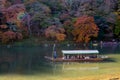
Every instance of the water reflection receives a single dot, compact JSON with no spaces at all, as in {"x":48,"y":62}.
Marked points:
{"x":60,"y":68}
{"x":30,"y":59}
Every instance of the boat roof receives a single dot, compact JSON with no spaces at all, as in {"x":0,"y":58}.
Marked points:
{"x":80,"y":51}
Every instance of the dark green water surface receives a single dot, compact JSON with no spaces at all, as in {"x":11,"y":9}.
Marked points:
{"x":30,"y":59}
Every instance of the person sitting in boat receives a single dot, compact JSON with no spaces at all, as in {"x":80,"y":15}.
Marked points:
{"x":68,"y":57}
{"x":55,"y":55}
{"x":87,"y":57}
{"x":72,"y":57}
{"x":78,"y":56}
{"x":93,"y":56}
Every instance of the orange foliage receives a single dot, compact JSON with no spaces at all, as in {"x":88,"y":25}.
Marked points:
{"x":9,"y":36}
{"x":55,"y":32}
{"x":50,"y":32}
{"x":60,"y":37}
{"x":84,"y":28}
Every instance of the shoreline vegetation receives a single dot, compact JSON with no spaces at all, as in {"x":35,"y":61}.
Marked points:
{"x":37,"y":42}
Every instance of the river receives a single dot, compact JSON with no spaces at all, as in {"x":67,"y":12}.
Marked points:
{"x":26,"y":59}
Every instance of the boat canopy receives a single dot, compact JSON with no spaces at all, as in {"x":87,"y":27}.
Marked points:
{"x":80,"y":52}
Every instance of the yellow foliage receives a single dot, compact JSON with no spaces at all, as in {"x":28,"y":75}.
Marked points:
{"x":18,"y":23}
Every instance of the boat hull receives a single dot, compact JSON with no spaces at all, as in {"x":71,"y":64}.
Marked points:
{"x":73,"y":60}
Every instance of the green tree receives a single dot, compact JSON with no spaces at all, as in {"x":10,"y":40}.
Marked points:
{"x":117,"y":28}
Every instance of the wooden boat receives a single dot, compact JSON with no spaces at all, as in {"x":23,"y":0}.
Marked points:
{"x":78,"y":56}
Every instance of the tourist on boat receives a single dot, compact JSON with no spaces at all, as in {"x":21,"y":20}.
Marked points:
{"x":78,"y":56}
{"x":87,"y":57}
{"x":93,"y":56}
{"x":67,"y":57}
{"x":73,"y":57}
{"x":83,"y":57}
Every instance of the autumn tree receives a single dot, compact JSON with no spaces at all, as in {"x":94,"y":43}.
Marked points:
{"x":84,"y":29}
{"x":7,"y":35}
{"x":60,"y":37}
{"x":55,"y":33}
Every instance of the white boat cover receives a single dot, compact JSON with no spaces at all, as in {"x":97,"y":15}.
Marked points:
{"x":80,"y":51}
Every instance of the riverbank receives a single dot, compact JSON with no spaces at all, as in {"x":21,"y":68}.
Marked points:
{"x":115,"y":76}
{"x":35,"y":41}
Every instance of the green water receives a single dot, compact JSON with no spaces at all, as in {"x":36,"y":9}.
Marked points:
{"x":30,"y":59}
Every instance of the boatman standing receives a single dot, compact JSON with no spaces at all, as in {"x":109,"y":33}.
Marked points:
{"x":55,"y":55}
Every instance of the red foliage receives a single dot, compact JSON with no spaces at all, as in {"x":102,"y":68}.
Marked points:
{"x":83,"y":20}
{"x":13,"y":11}
{"x":9,"y":34}
{"x":3,"y":26}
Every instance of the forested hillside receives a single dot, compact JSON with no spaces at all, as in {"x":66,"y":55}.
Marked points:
{"x":73,"y":20}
